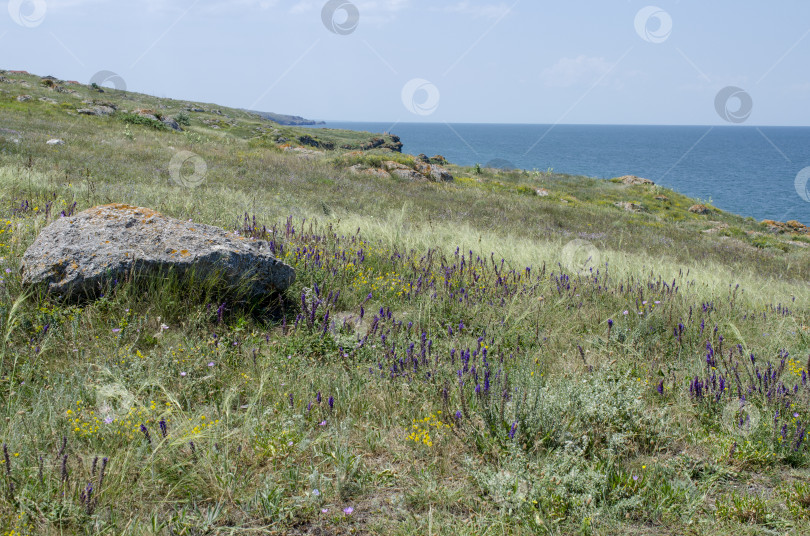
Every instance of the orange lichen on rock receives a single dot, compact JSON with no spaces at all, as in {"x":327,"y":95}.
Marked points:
{"x":124,"y":210}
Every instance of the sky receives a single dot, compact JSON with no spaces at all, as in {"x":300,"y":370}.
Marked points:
{"x":527,"y":61}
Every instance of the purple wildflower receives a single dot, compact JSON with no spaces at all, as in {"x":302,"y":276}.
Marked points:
{"x":145,"y":431}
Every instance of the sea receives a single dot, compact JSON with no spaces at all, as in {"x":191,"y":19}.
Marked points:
{"x":761,"y":172}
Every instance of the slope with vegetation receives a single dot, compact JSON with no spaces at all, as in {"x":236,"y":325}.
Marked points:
{"x":510,"y":352}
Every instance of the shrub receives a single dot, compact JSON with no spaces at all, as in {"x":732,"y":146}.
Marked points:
{"x":136,"y":119}
{"x":183,"y":119}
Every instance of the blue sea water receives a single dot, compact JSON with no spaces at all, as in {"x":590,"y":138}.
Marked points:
{"x":751,"y":171}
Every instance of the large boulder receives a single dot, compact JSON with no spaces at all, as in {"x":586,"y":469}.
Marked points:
{"x":172,"y":124}
{"x":433,"y":172}
{"x":76,"y":257}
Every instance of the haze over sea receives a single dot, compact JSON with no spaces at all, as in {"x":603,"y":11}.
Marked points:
{"x":750,"y":171}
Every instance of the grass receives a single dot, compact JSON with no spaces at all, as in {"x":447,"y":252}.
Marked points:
{"x":448,"y":362}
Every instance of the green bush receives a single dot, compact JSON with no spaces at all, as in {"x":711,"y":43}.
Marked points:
{"x":136,"y":119}
{"x":765,"y":242}
{"x":183,"y":119}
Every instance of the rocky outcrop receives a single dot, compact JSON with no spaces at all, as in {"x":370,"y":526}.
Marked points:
{"x":402,"y":171}
{"x":377,"y":143}
{"x":629,"y":206}
{"x":390,"y":165}
{"x":172,"y":124}
{"x":422,"y":171}
{"x":633,"y":180}
{"x":700,"y":209}
{"x":792,"y":227}
{"x":78,"y":256}
{"x":434,"y":172}
{"x":395,"y":144}
{"x":96,"y":110}
{"x":312,"y":141}
{"x":408,"y":174}
{"x":148,"y":114}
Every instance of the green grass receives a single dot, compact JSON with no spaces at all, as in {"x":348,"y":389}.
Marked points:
{"x":568,"y":433}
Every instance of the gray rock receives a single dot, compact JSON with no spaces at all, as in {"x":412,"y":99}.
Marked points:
{"x":433,"y":171}
{"x":97,"y":110}
{"x":172,"y":124}
{"x":438,"y":173}
{"x":55,"y":141}
{"x":390,"y":165}
{"x":629,"y":206}
{"x":408,"y":174}
{"x":24,"y":98}
{"x":633,"y":180}
{"x":76,"y":257}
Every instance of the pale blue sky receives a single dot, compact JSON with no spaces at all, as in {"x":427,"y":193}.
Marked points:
{"x":482,"y":61}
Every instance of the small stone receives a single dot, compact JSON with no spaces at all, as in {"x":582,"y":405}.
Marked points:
{"x":629,"y":206}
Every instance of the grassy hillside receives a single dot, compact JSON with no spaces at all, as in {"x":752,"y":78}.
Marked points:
{"x":510,"y":352}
